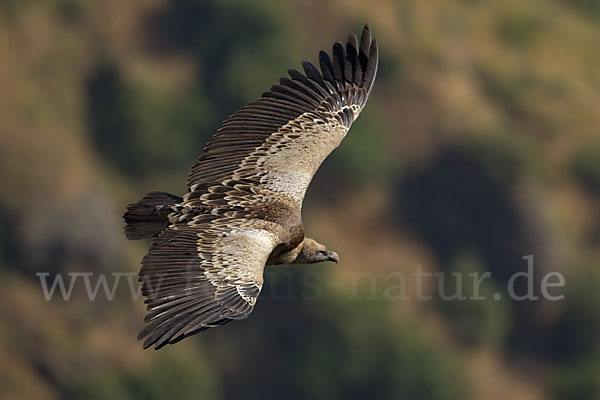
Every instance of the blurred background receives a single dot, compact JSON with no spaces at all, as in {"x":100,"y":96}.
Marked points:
{"x":480,"y":145}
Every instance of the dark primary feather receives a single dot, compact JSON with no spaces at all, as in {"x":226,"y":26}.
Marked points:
{"x":339,"y":61}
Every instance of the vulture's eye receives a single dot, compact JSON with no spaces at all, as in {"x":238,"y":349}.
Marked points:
{"x":322,"y":252}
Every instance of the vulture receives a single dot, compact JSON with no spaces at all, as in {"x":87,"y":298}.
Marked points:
{"x":242,"y":210}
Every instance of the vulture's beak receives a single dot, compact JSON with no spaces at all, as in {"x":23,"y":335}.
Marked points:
{"x":332,"y":256}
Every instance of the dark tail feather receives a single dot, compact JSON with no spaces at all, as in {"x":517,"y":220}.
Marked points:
{"x":149,"y":216}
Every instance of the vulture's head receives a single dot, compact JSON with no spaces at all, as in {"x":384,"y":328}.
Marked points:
{"x":314,"y":252}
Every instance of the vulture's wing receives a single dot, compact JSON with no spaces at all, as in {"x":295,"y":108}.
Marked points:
{"x":279,"y":141}
{"x":202,"y":274}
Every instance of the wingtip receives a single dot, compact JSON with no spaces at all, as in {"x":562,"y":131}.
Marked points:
{"x":159,"y":346}
{"x":146,"y":343}
{"x":366,"y":32}
{"x":374,"y":47}
{"x":352,"y":39}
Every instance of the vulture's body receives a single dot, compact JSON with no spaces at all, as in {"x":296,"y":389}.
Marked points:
{"x":244,"y":200}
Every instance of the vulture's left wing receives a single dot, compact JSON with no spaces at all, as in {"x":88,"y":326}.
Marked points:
{"x":279,"y":141}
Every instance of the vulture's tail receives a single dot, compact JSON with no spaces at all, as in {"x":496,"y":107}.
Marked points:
{"x":149,"y":216}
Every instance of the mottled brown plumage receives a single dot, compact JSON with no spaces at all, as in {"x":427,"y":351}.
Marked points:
{"x":244,"y":200}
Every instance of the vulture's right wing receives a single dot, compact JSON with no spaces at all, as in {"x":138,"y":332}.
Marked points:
{"x":202,"y":274}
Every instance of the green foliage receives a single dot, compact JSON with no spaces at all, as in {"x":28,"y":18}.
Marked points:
{"x":140,"y":128}
{"x":176,"y":378}
{"x":474,"y":322}
{"x":464,"y":199}
{"x":518,"y":30}
{"x":505,"y":156}
{"x":390,"y":363}
{"x":518,"y":92}
{"x":580,"y":381}
{"x":102,"y":384}
{"x":587,"y":7}
{"x":585,"y":166}
{"x":239,"y":47}
{"x":168,"y":378}
{"x":575,"y":335}
{"x":363,"y":155}
{"x":509,"y":90}
{"x":14,"y":7}
{"x":72,"y":11}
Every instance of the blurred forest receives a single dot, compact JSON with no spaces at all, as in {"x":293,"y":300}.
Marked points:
{"x":480,"y":145}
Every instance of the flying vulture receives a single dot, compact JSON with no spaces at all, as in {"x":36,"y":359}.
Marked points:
{"x":243,"y":207}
